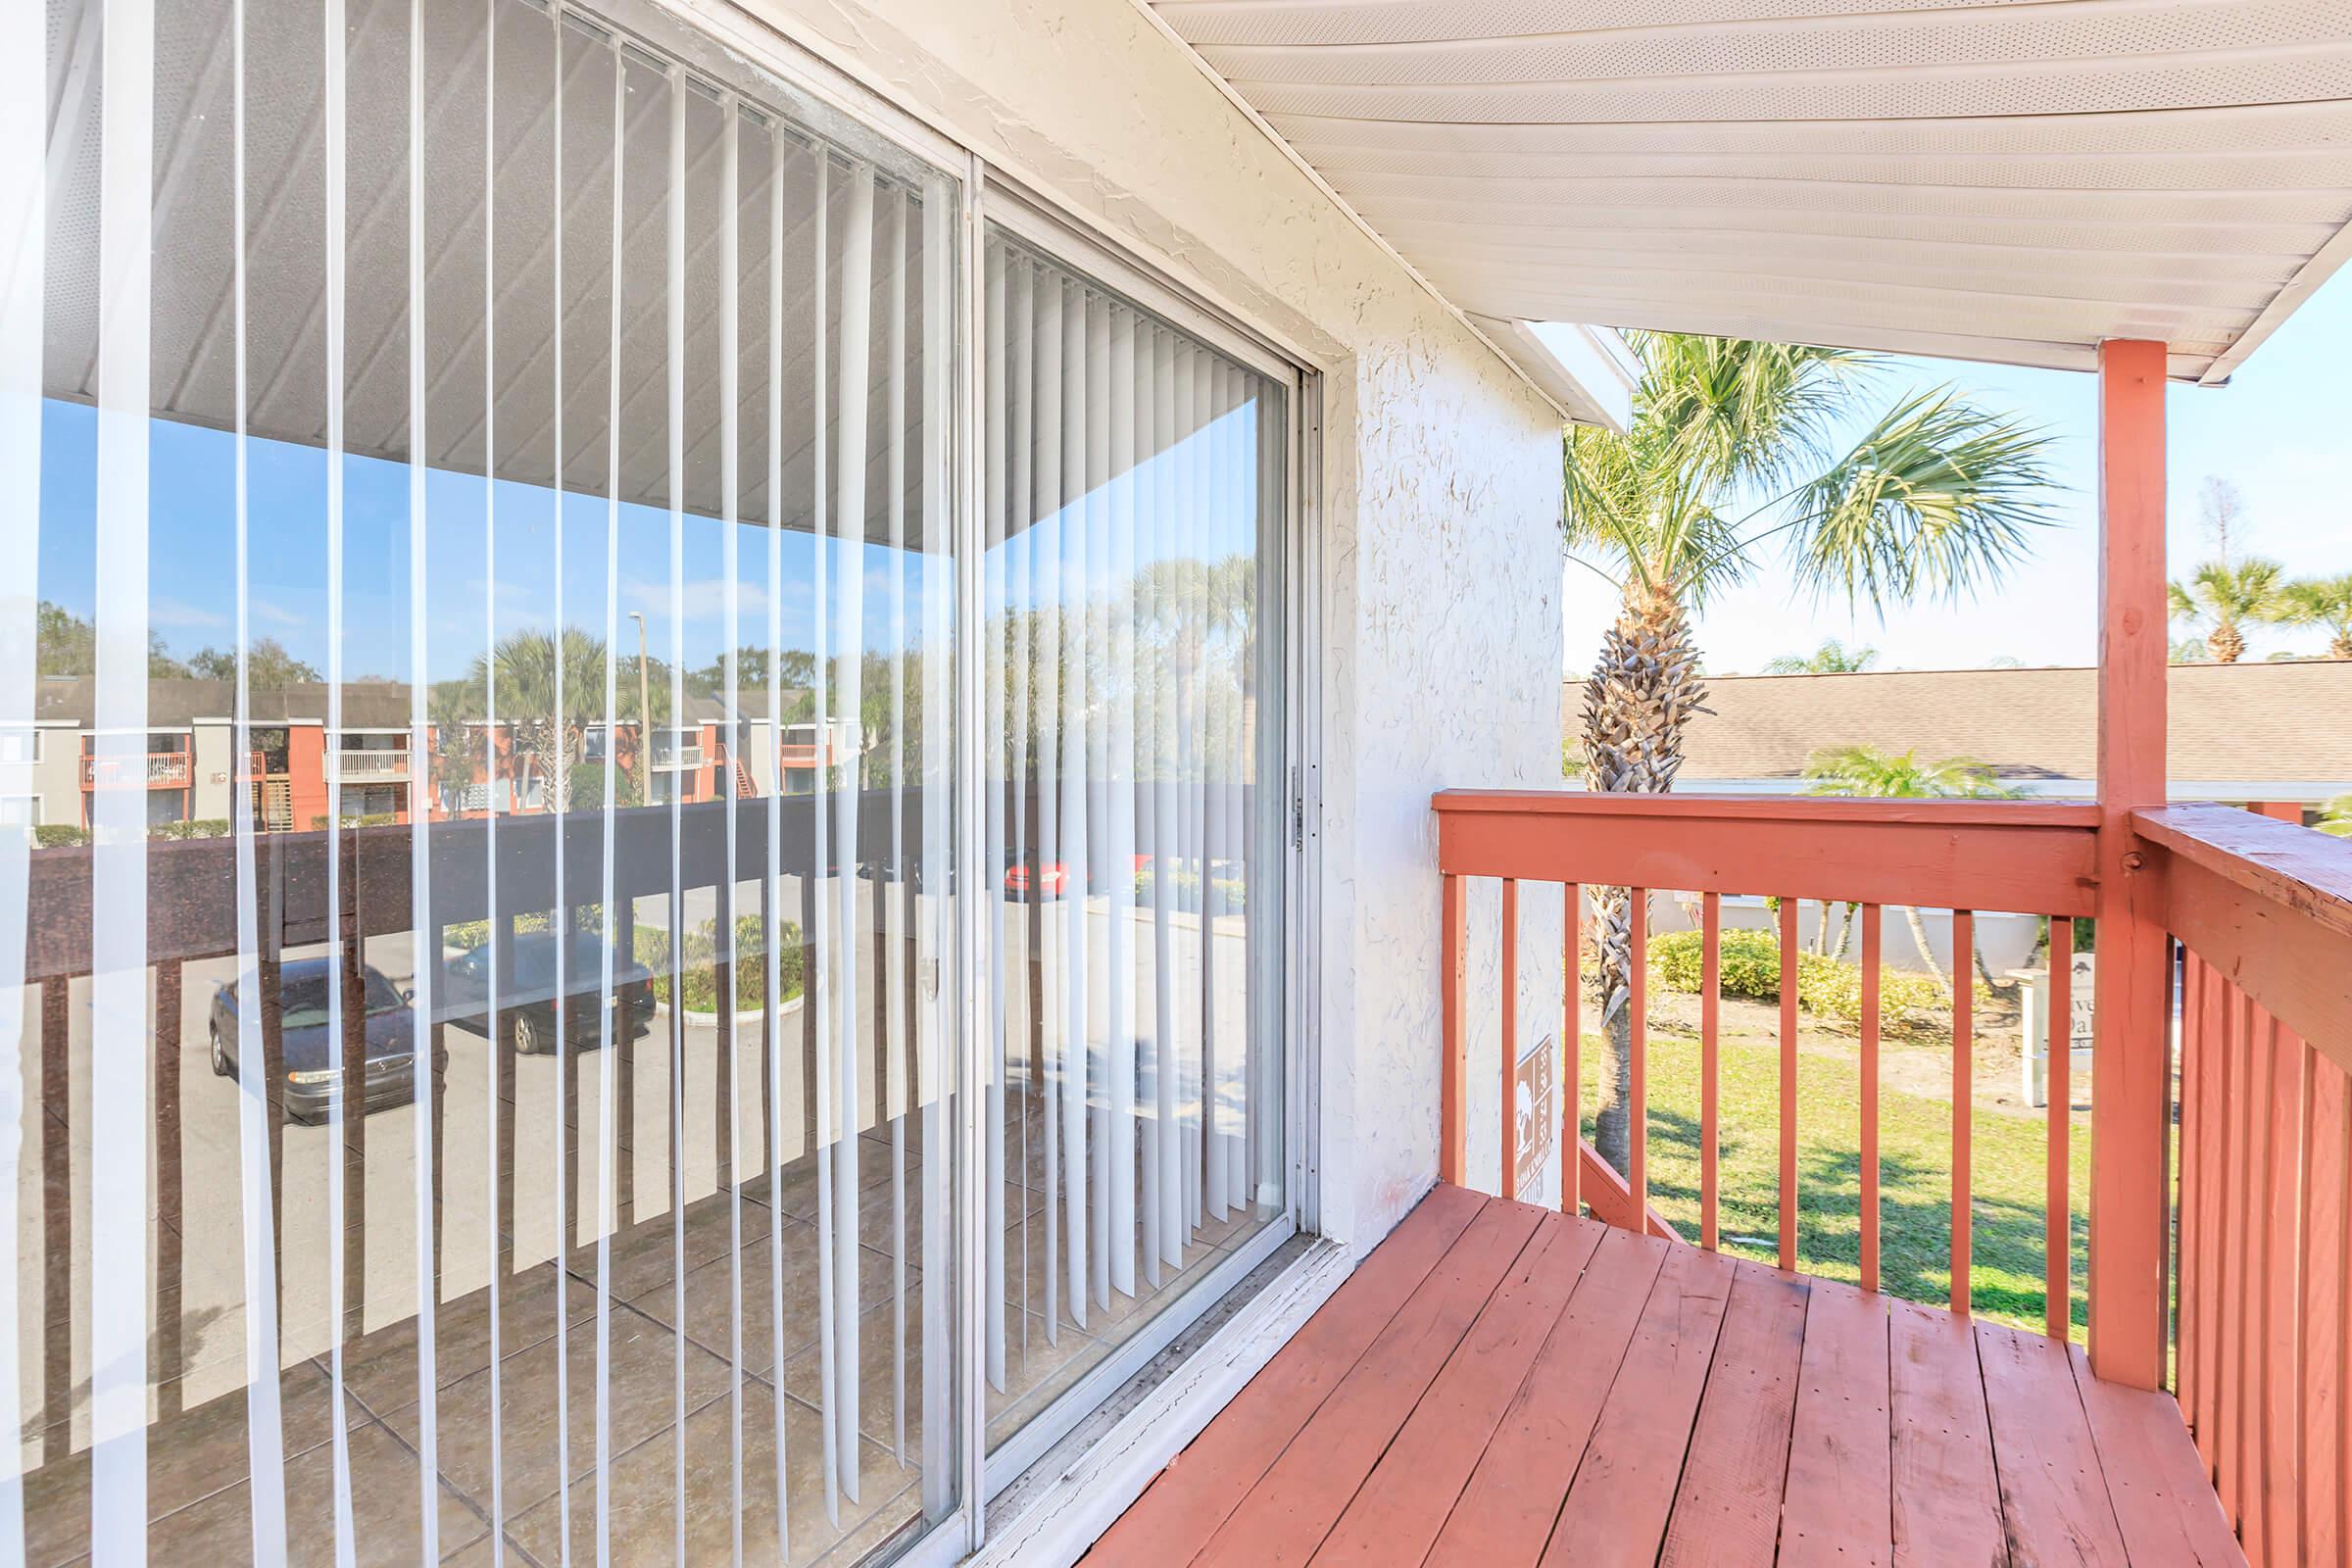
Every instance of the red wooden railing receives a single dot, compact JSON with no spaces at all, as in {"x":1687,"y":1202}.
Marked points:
{"x":2006,"y":856}
{"x":2261,"y":915}
{"x":2263,"y":912}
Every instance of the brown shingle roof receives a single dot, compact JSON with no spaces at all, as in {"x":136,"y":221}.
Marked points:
{"x":2283,"y":721}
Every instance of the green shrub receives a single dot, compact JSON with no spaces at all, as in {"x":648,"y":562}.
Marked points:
{"x":357,"y":819}
{"x":699,"y":962}
{"x":201,"y":827}
{"x":59,"y":836}
{"x":1184,"y":892}
{"x":1750,"y":967}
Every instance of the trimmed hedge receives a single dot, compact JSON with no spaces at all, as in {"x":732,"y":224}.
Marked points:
{"x":1750,"y":967}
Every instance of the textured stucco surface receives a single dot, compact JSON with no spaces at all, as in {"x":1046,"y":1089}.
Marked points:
{"x":1439,"y":494}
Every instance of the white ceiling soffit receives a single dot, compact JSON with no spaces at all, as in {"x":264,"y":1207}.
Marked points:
{"x":2010,"y":181}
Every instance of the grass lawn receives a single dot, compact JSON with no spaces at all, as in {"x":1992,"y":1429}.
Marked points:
{"x":2009,"y":1152}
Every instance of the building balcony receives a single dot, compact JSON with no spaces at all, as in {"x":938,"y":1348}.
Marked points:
{"x":159,"y":770}
{"x":1504,"y":1383}
{"x":368,"y":766}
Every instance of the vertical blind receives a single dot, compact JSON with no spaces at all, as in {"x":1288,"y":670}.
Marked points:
{"x":478,"y":753}
{"x":476,"y":648}
{"x":1132,"y":527}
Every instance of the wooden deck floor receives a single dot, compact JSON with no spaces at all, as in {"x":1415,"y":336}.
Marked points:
{"x":1501,"y":1385}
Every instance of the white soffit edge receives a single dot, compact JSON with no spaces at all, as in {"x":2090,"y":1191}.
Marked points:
{"x":2009,"y":180}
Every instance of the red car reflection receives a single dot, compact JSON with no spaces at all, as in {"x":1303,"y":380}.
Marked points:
{"x":1029,"y":879}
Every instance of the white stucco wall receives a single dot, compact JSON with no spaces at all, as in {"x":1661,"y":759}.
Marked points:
{"x":1441,"y":491}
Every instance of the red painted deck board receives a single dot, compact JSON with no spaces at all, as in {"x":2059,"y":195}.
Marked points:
{"x":1402,"y":1505}
{"x":1623,"y":1495}
{"x":1947,"y":1504}
{"x":1185,"y":1505}
{"x":1288,"y":1513}
{"x":1582,"y":1394}
{"x":1726,"y":1509}
{"x":1506,"y":1513}
{"x":1840,"y":1505}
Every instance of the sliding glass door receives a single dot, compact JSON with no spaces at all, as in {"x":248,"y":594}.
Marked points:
{"x":491,"y":560}
{"x":1133,"y":538}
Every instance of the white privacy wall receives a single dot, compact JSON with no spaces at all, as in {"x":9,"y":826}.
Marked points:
{"x":1441,"y":494}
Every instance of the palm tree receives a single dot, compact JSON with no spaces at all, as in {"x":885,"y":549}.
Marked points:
{"x":527,"y":667}
{"x":2225,"y":597}
{"x":1866,"y":770}
{"x":1736,"y":447}
{"x":1832,"y":657}
{"x":2322,"y":602}
{"x":2336,"y":817}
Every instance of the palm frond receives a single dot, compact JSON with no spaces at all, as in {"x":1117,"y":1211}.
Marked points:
{"x":1937,"y":499}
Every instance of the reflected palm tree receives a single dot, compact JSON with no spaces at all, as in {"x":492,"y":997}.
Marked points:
{"x":530,"y":666}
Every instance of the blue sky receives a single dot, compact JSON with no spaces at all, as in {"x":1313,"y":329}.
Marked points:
{"x":192,"y":601}
{"x":2278,"y":433}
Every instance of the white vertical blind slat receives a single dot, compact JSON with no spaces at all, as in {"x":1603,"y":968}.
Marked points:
{"x":817,"y":878}
{"x":1118,"y":739}
{"x":265,"y":1447}
{"x":995,"y":676}
{"x":559,"y":1130}
{"x":1021,"y":515}
{"x":120,"y":1147}
{"x":673,"y":281}
{"x":609,"y":924}
{"x":24,"y":207}
{"x":939,"y":573}
{"x":857,"y":371}
{"x":730,"y":448}
{"x":494,"y":1168}
{"x":1046,"y":591}
{"x":426,"y":1192}
{"x":772,"y":993}
{"x":890,"y":889}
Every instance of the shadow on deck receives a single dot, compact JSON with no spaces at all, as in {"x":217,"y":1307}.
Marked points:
{"x":1499,"y":1384}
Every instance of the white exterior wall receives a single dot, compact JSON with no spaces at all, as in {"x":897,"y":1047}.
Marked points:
{"x":1439,"y":499}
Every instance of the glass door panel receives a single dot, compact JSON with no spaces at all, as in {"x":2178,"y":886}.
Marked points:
{"x":1134,"y":529}
{"x":478,"y":1044}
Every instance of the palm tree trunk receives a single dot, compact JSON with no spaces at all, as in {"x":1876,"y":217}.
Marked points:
{"x":1919,"y":936}
{"x":1642,"y":692}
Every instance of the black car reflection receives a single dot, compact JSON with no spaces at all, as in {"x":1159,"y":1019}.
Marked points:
{"x":314,"y":1058}
{"x":527,"y":991}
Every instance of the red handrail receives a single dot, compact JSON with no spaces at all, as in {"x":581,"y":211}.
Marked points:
{"x":2264,"y":913}
{"x":1962,"y":856}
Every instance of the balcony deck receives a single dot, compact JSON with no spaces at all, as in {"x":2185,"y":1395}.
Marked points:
{"x":1499,"y":1384}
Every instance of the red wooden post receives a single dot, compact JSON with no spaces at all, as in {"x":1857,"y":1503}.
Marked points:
{"x":1510,"y":1038}
{"x":1873,"y":937}
{"x":1636,"y":1114}
{"x":1710,"y":984}
{"x":2132,"y":1046}
{"x":1788,"y":1079}
{"x":2058,"y":1062}
{"x":1964,"y":1069}
{"x":1452,"y":1081}
{"x":1572,"y":1103}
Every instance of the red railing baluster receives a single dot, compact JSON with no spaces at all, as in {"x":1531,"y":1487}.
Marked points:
{"x":1452,"y":1083}
{"x":1511,"y":1037}
{"x":1873,"y":939}
{"x":1710,"y":983}
{"x":1788,"y":1080}
{"x":2058,"y":1042}
{"x":1964,"y":1067}
{"x":2186,"y":1316}
{"x":1572,"y":1105}
{"x":1637,"y":1114}
{"x":2213,"y":1144}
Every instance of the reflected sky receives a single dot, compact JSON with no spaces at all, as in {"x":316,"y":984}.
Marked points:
{"x":192,"y":543}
